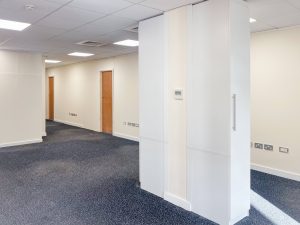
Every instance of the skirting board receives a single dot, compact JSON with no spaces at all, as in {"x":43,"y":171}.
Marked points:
{"x":25,"y":142}
{"x":177,"y":201}
{"x":69,"y":123}
{"x":125,"y":136}
{"x":276,"y":172}
{"x":239,"y":218}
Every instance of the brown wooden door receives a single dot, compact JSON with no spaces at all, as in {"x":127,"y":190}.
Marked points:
{"x":51,"y":98}
{"x":107,"y":102}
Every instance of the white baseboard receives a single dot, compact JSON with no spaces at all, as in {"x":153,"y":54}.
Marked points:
{"x":276,"y":172}
{"x":24,"y":142}
{"x":239,"y":218}
{"x":44,"y":134}
{"x":177,"y":201}
{"x":69,"y":123}
{"x":125,"y":136}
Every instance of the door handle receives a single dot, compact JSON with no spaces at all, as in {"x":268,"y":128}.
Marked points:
{"x":234,"y":112}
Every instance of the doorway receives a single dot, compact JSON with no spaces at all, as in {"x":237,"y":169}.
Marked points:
{"x":51,"y":98}
{"x":107,"y":121}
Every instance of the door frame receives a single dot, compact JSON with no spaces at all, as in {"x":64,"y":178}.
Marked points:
{"x":48,"y":97}
{"x":112,"y":100}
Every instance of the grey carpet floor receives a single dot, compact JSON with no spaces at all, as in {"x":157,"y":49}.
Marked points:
{"x":80,"y":177}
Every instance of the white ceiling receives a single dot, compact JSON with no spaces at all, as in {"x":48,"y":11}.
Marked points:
{"x":57,"y":25}
{"x":274,"y":14}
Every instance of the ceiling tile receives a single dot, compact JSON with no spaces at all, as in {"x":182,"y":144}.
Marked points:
{"x":295,"y":3}
{"x":165,"y":5}
{"x":138,"y":12}
{"x":102,"y":6}
{"x":15,"y":10}
{"x":70,"y":18}
{"x":258,"y":26}
{"x":61,"y":2}
{"x":135,"y":1}
{"x":39,"y":32}
{"x":4,"y":37}
{"x":284,"y":21}
{"x":261,"y":9}
{"x":118,"y":36}
{"x":100,"y":27}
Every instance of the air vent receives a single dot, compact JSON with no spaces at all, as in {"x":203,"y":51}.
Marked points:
{"x":90,"y":43}
{"x":134,"y":29}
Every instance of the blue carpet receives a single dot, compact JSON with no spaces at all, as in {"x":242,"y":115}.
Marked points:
{"x":80,"y":177}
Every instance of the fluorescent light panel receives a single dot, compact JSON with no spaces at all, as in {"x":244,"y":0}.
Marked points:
{"x":129,"y":43}
{"x":252,"y":20}
{"x":52,"y":61}
{"x":13,"y":25}
{"x":80,"y":54}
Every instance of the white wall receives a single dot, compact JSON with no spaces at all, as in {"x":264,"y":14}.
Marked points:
{"x":176,"y":75}
{"x":219,"y":156}
{"x":77,"y":90}
{"x":206,"y":165}
{"x":275,"y":69}
{"x":21,"y":96}
{"x":151,"y":108}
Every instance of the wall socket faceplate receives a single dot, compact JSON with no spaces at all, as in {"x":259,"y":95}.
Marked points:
{"x":284,"y":150}
{"x":130,"y":124}
{"x":268,"y":147}
{"x":178,"y":93}
{"x":259,"y":145}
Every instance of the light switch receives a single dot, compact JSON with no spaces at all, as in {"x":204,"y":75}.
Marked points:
{"x":178,"y":94}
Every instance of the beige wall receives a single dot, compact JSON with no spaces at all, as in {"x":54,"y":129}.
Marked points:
{"x":21,"y":96}
{"x":77,"y":90}
{"x":176,"y":66}
{"x":275,"y":71}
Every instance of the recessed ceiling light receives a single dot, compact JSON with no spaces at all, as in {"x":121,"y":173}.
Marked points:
{"x":52,"y":61}
{"x":13,"y":25}
{"x":130,"y":43}
{"x":252,"y":20}
{"x":80,"y":54}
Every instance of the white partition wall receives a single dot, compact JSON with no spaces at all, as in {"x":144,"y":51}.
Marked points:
{"x":22,"y":117}
{"x":175,"y":115}
{"x":218,"y":111}
{"x":151,"y":104}
{"x":195,"y":150}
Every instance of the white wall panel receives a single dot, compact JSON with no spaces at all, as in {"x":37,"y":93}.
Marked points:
{"x":22,"y":110}
{"x":240,"y":86}
{"x":209,"y":178}
{"x":152,"y":166}
{"x":219,"y":171}
{"x":209,"y":79}
{"x":151,"y":104}
{"x":175,"y":119}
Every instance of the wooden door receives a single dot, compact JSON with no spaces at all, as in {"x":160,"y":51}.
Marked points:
{"x":51,"y":98}
{"x":107,"y":102}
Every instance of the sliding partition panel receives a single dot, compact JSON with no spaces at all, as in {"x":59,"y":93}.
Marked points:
{"x":151,"y":90}
{"x":194,"y":150}
{"x":240,"y":92}
{"x":218,"y":138}
{"x":208,"y":112}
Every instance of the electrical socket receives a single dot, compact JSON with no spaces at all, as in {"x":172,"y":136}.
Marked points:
{"x":283,"y":150}
{"x":259,"y":145}
{"x":268,"y":147}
